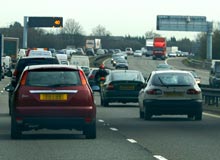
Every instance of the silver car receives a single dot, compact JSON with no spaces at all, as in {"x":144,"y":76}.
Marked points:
{"x":170,"y":92}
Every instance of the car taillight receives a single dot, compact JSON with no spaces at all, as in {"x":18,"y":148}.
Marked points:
{"x":193,"y":91}
{"x":110,"y":87}
{"x":23,"y":78}
{"x":154,"y":92}
{"x":82,"y":77}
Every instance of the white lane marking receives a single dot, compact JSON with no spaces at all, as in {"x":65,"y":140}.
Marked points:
{"x":114,"y":129}
{"x":160,"y":157}
{"x":211,"y":115}
{"x":132,"y":140}
{"x":100,"y":120}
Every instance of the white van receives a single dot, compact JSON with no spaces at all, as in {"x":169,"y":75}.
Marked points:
{"x":80,"y":61}
{"x":62,"y":58}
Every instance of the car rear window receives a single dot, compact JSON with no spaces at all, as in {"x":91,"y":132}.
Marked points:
{"x":53,"y":78}
{"x":173,"y":79}
{"x":117,"y":76}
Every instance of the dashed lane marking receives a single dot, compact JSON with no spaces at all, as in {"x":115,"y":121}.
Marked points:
{"x":132,"y":140}
{"x":114,"y":129}
{"x":159,"y":157}
{"x":211,"y":115}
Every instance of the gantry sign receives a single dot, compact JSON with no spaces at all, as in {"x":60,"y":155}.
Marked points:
{"x":187,"y":23}
{"x":40,"y":22}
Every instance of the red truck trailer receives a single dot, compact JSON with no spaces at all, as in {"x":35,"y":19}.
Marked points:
{"x":159,"y":48}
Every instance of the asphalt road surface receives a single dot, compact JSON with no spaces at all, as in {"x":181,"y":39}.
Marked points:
{"x":121,"y":134}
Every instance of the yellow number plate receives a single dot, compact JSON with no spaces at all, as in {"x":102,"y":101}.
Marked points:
{"x":59,"y":97}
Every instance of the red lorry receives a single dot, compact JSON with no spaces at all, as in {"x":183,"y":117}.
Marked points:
{"x":159,"y":48}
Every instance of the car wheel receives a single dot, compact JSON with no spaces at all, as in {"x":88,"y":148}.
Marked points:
{"x":105,"y":103}
{"x":141,"y":114}
{"x":16,"y":131}
{"x":198,"y":116}
{"x":147,"y":115}
{"x":102,"y":101}
{"x":190,"y":116}
{"x":90,"y":131}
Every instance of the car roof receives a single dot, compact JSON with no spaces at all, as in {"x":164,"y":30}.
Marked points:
{"x":52,"y":66}
{"x":169,"y":71}
{"x":36,"y":57}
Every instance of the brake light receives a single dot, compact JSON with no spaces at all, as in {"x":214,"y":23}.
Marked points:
{"x":193,"y":91}
{"x":82,"y":77}
{"x":24,"y":77}
{"x":154,"y":92}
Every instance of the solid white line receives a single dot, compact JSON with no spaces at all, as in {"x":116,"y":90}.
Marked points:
{"x":114,"y":129}
{"x":100,"y":120}
{"x":211,"y":115}
{"x":160,"y":157}
{"x":132,"y":140}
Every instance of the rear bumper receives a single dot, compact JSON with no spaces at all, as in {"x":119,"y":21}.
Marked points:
{"x":28,"y":123}
{"x":173,"y":107}
{"x":124,"y":97}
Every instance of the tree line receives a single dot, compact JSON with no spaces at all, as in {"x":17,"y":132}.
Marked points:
{"x":72,"y":34}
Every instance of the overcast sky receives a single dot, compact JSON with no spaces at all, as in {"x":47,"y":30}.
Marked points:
{"x":120,"y":17}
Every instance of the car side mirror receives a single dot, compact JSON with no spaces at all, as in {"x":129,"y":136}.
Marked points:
{"x":9,"y":73}
{"x":9,"y":88}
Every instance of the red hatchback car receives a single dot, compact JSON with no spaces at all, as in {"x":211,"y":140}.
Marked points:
{"x":53,"y":97}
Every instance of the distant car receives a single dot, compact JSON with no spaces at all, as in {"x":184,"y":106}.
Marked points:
{"x":117,"y":50}
{"x":172,"y":54}
{"x":129,"y":51}
{"x":117,"y":59}
{"x":197,"y":78}
{"x":138,"y":53}
{"x":79,"y":51}
{"x":121,"y":63}
{"x":90,"y":52}
{"x":53,"y":97}
{"x":38,"y":53}
{"x":170,"y":92}
{"x":122,"y":86}
{"x":164,"y":66}
{"x":21,"y":64}
{"x":100,"y":52}
{"x":85,"y":69}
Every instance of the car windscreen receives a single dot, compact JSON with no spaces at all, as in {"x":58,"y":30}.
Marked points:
{"x":53,"y":78}
{"x":172,"y":79}
{"x":130,"y":76}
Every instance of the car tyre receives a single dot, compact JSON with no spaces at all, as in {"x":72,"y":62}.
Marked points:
{"x":190,"y":116}
{"x":16,"y":131}
{"x":105,"y":103}
{"x":198,"y":116}
{"x":141,"y":114}
{"x":90,"y":131}
{"x":147,"y":115}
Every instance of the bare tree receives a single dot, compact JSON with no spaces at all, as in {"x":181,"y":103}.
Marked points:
{"x":151,"y":34}
{"x":100,"y":31}
{"x":72,"y":27}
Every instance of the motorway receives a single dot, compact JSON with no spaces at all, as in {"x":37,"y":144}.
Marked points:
{"x":121,"y":134}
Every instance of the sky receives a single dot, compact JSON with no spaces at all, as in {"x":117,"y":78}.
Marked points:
{"x":119,"y":17}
